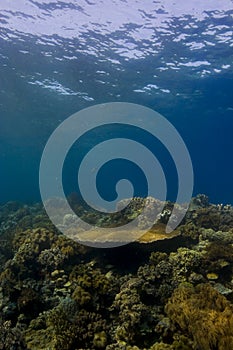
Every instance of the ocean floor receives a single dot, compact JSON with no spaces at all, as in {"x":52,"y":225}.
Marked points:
{"x":159,"y":292}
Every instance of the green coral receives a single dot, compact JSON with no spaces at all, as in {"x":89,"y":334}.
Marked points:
{"x":184,"y":262}
{"x":181,"y":343}
{"x":65,"y":327}
{"x":10,"y":336}
{"x":100,"y":340}
{"x":161,"y":346}
{"x":218,"y":259}
{"x":81,"y":296}
{"x":156,"y":257}
{"x":90,"y":286}
{"x":55,"y":332}
{"x":135,"y":320}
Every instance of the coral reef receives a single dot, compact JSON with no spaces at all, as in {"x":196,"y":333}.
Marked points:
{"x":174,"y":293}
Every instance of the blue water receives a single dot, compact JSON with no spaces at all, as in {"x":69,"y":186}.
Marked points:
{"x":58,"y":57}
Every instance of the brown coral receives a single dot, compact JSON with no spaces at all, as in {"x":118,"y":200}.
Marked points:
{"x":203,"y":315}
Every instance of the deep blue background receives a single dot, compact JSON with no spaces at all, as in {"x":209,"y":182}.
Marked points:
{"x":40,"y":90}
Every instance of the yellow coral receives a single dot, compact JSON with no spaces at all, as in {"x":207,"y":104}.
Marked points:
{"x":204,"y":315}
